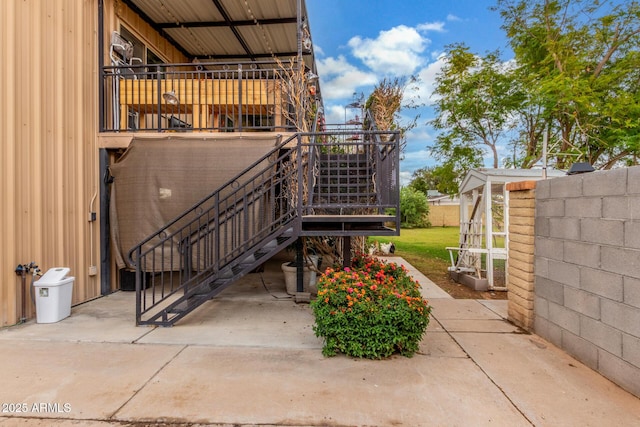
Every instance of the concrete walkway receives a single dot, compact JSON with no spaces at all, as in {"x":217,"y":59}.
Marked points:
{"x":249,"y":357}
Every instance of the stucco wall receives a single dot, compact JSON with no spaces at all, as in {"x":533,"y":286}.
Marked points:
{"x":587,"y":270}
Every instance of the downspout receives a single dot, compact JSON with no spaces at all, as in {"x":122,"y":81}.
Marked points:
{"x":299,"y":245}
{"x":103,"y":156}
{"x":101,"y":64}
{"x":300,"y":65}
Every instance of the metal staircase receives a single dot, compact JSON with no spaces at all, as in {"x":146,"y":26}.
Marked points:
{"x":297,"y":189}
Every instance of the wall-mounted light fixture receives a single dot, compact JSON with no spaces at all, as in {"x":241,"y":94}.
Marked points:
{"x":170,"y":98}
{"x":306,"y":43}
{"x":311,"y":77}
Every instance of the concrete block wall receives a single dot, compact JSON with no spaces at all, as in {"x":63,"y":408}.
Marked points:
{"x":520,"y":273}
{"x":587,"y":270}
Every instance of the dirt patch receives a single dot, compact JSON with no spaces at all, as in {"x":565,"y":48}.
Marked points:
{"x":457,"y":290}
{"x":436,"y":270}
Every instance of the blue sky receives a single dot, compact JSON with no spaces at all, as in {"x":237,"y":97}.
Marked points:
{"x":358,"y":42}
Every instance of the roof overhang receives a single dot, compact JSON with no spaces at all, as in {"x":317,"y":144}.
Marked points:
{"x":231,"y":30}
{"x":477,"y":178}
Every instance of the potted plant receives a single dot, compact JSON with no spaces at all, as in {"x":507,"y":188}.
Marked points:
{"x":309,"y":260}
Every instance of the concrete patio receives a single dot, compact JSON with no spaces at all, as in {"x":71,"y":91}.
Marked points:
{"x":250,"y":357}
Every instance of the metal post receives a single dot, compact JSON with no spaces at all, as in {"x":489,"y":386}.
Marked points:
{"x":159,"y":96}
{"x":346,"y":251}
{"x":239,"y":98}
{"x":101,"y":94}
{"x":299,"y":266}
{"x":545,"y":141}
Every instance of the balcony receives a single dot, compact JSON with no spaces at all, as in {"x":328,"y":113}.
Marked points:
{"x":214,"y":97}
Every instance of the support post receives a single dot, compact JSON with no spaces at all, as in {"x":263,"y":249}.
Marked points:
{"x":299,"y":266}
{"x":346,"y":251}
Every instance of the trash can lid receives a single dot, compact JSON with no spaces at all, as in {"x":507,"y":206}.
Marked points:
{"x":54,"y":275}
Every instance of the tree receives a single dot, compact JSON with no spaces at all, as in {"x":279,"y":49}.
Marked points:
{"x":575,"y":76}
{"x":423,"y":180}
{"x":388,"y":99}
{"x":580,"y":64}
{"x":474,"y":100}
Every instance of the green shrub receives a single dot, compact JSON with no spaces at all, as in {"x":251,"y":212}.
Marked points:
{"x":371,"y":310}
{"x":414,"y":208}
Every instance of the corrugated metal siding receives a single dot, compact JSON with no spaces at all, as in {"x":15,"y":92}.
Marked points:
{"x":49,"y":178}
{"x":48,"y":168}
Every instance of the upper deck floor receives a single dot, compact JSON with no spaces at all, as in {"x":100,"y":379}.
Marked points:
{"x":218,"y":66}
{"x":212,"y":97}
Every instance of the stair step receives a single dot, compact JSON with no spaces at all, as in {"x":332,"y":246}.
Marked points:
{"x":186,"y":306}
{"x":343,"y":188}
{"x":358,"y":170}
{"x":345,"y":182}
{"x":343,"y":200}
{"x":195,"y":294}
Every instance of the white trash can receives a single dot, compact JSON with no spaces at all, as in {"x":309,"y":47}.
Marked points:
{"x":53,"y":295}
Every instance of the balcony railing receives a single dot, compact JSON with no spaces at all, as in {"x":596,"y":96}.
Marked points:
{"x":199,"y":97}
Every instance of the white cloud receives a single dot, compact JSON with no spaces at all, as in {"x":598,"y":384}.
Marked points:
{"x":453,"y":18}
{"x":437,"y":26}
{"x":415,"y":160}
{"x":397,"y":51}
{"x":405,"y":178}
{"x":334,"y":114}
{"x":427,"y":77}
{"x":339,"y":79}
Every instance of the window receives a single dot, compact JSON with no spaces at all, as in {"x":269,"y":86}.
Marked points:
{"x":140,"y":50}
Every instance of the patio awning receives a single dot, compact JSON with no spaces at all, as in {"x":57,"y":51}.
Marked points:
{"x":230,"y":30}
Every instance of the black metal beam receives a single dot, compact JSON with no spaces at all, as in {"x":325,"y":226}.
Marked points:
{"x":253,"y":56}
{"x":216,"y":24}
{"x":233,"y":29}
{"x":101,"y":95}
{"x":157,"y":27}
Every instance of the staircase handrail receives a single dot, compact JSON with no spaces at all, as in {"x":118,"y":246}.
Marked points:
{"x":233,"y":181}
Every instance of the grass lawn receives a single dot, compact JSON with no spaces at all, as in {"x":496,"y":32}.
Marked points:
{"x":424,"y":242}
{"x":424,"y":248}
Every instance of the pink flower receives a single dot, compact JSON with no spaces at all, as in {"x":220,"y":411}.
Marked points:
{"x":350,"y":290}
{"x":374,"y":287}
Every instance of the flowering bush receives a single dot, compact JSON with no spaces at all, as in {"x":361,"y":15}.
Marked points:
{"x":370,"y":310}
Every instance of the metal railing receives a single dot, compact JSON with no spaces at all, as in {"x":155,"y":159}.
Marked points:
{"x":259,"y":212}
{"x":209,"y":240}
{"x":352,"y":172}
{"x":201,"y":97}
